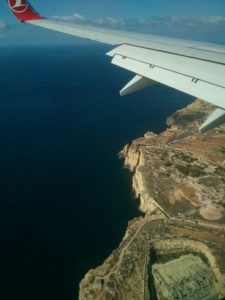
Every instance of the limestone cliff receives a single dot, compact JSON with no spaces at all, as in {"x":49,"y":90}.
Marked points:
{"x":177,"y":250}
{"x":180,"y":171}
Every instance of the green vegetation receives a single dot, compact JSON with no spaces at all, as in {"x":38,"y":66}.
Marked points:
{"x":222,"y":150}
{"x":193,"y":171}
{"x":220,"y":171}
{"x":186,"y":158}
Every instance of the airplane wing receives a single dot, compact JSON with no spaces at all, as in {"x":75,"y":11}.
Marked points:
{"x":195,"y":68}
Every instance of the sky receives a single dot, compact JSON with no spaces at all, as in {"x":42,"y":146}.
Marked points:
{"x":202,"y":20}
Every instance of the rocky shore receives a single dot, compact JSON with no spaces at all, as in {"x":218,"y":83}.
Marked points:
{"x":177,"y":249}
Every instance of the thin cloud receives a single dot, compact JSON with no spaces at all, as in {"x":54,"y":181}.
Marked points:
{"x":182,"y":22}
{"x":109,"y":21}
{"x":74,"y":18}
{"x":3,"y":25}
{"x":197,"y":21}
{"x":77,"y":18}
{"x":80,"y":19}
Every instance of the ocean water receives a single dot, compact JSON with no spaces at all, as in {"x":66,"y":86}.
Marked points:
{"x":65,"y":198}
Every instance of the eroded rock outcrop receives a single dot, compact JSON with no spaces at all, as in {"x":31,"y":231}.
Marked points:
{"x":180,"y":170}
{"x":177,"y":250}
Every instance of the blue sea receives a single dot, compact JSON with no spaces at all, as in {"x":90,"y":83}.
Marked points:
{"x":65,"y":199}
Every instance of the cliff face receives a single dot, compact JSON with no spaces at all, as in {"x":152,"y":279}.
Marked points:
{"x":177,"y":250}
{"x":180,"y":171}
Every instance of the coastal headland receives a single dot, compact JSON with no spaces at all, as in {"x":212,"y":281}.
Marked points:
{"x":176,"y":250}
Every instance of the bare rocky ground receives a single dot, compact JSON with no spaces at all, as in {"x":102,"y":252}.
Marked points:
{"x":177,"y":250}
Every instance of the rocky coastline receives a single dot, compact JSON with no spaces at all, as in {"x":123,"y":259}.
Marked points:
{"x":177,"y":249}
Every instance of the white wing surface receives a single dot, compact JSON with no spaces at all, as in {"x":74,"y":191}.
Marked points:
{"x":192,"y":67}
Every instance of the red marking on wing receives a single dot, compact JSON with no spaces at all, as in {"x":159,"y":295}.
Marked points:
{"x":23,"y":10}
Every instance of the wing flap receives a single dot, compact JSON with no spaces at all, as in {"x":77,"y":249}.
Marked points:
{"x":202,"y":70}
{"x":201,"y":89}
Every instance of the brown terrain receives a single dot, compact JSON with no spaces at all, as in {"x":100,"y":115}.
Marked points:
{"x":177,"y":249}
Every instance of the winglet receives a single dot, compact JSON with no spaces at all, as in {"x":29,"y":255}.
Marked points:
{"x":23,"y":10}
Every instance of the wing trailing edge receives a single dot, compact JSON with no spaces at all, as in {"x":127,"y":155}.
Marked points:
{"x":173,"y":75}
